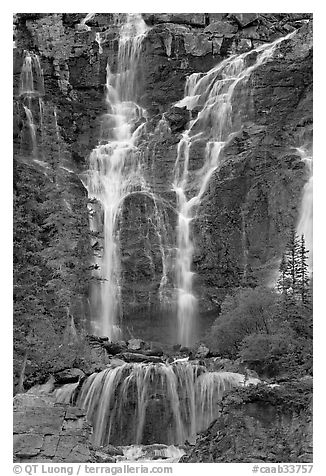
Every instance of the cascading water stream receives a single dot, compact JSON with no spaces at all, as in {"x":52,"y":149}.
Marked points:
{"x":304,"y":226}
{"x":31,"y":126}
{"x":63,"y":394}
{"x":213,"y":94}
{"x":115,"y":170}
{"x":151,"y":403}
{"x":30,"y":84}
{"x":98,"y":40}
{"x":88,"y":17}
{"x":31,"y":88}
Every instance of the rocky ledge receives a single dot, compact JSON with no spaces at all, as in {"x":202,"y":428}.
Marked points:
{"x":48,"y":432}
{"x":45,"y":431}
{"x":263,"y":423}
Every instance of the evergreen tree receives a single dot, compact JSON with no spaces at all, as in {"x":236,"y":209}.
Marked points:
{"x":282,"y":283}
{"x":293,"y":262}
{"x":294,"y":278}
{"x":303,"y":272}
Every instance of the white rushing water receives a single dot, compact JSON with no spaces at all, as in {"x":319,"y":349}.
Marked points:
{"x":31,"y":77}
{"x":146,"y":403}
{"x":305,"y":221}
{"x":88,"y":17}
{"x":98,"y":40}
{"x":31,"y":90}
{"x":146,"y":454}
{"x":64,"y":393}
{"x":32,"y":129}
{"x":115,"y":171}
{"x":212,"y":93}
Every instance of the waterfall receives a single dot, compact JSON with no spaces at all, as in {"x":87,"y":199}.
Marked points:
{"x":70,"y":335}
{"x":98,"y":40}
{"x":31,"y":84}
{"x":304,"y":226}
{"x":32,"y":87}
{"x":151,"y":403}
{"x":115,"y":170}
{"x":88,"y":17}
{"x":26,"y":77}
{"x":212,"y":93}
{"x":31,"y":126}
{"x":65,"y":393}
{"x":57,"y":130}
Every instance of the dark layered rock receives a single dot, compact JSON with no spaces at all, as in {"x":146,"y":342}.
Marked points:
{"x":68,"y":376}
{"x":48,"y":432}
{"x":192,"y":19}
{"x":257,"y":425}
{"x":245,"y":19}
{"x":254,"y":197}
{"x":134,"y":357}
{"x":69,"y":81}
{"x":114,"y":348}
{"x":156,"y":351}
{"x":221,"y":29}
{"x":177,"y":118}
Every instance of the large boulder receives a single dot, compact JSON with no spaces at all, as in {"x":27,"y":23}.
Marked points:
{"x":68,"y":376}
{"x":202,"y":352}
{"x":135,"y":344}
{"x":114,"y":348}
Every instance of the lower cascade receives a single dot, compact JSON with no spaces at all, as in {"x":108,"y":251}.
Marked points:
{"x":137,"y":403}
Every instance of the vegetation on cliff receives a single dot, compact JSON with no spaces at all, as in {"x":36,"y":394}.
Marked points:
{"x":51,"y":258}
{"x":270,"y":330}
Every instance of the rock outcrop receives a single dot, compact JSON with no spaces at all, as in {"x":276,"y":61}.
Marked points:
{"x":45,"y":431}
{"x":257,"y":425}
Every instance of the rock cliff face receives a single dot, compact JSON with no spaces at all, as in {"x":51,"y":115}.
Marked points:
{"x":273,"y":425}
{"x":48,"y":432}
{"x":241,"y":225}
